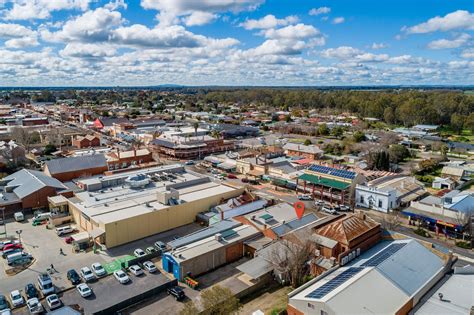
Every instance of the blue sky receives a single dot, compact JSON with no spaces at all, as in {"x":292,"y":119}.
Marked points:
{"x":235,"y":42}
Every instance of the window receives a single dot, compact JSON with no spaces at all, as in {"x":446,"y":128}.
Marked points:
{"x":361,"y":199}
{"x":380,"y":203}
{"x":323,"y":312}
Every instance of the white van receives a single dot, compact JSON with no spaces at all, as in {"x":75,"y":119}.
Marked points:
{"x":19,"y":216}
{"x":64,"y":230}
{"x":18,"y":257}
{"x":41,"y":217}
{"x":45,"y":284}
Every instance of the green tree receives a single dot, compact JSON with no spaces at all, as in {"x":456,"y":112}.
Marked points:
{"x":359,"y":136}
{"x":189,"y":308}
{"x":307,"y":142}
{"x":337,"y":131}
{"x":389,"y":115}
{"x":323,"y":130}
{"x":469,"y":122}
{"x":398,"y":153}
{"x":49,"y":148}
{"x":457,"y":122}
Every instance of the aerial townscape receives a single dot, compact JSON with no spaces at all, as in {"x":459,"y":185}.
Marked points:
{"x":236,"y":157}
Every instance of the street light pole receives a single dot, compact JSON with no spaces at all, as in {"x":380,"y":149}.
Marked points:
{"x":3,"y":220}
{"x":19,"y":235}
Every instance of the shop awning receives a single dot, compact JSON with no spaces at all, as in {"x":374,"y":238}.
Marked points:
{"x":255,"y":173}
{"x":326,"y":182}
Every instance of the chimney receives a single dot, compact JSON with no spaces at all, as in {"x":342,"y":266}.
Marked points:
{"x":134,"y":152}
{"x":118,"y":153}
{"x":333,"y":261}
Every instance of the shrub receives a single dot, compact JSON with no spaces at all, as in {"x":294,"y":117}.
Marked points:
{"x":463,"y":244}
{"x":422,"y":232}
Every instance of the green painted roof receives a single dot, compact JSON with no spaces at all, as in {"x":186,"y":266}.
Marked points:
{"x":324,"y":181}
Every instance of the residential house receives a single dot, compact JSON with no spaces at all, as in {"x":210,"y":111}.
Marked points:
{"x":307,"y":151}
{"x":87,"y":141}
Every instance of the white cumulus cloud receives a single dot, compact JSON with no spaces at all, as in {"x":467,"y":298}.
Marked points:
{"x":457,"y":20}
{"x":267,"y":22}
{"x":319,"y":11}
{"x":450,"y":43}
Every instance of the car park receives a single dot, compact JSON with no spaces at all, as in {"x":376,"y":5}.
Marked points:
{"x":84,"y":290}
{"x":160,"y":246}
{"x":136,"y":270}
{"x":305,"y":197}
{"x":121,"y":276}
{"x":139,"y":252}
{"x":98,"y":270}
{"x":45,"y":284}
{"x":73,"y":276}
{"x":87,"y":274}
{"x":177,"y":292}
{"x":53,"y":301}
{"x":16,"y":298}
{"x":149,"y":266}
{"x":31,"y":291}
{"x":34,"y":306}
{"x":150,"y":250}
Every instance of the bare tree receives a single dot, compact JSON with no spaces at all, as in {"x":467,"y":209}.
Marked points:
{"x":465,"y":220}
{"x":291,"y":260}
{"x":390,"y":222}
{"x":24,"y":137}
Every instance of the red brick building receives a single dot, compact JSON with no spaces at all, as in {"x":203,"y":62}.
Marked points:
{"x":117,"y":160}
{"x":86,"y":141}
{"x":67,"y":169}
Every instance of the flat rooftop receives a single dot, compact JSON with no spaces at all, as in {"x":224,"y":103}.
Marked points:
{"x":121,"y":201}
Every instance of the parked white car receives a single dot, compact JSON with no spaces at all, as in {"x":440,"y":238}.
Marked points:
{"x":53,"y":301}
{"x":98,"y":269}
{"x":148,"y":265}
{"x":121,"y":276}
{"x":305,"y":197}
{"x":16,"y":298}
{"x":139,"y":252}
{"x":87,"y":274}
{"x":34,"y":306}
{"x":136,"y":270}
{"x":328,"y":210}
{"x":84,"y":290}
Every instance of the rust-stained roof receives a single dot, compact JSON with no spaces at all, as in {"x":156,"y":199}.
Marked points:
{"x":346,"y":229}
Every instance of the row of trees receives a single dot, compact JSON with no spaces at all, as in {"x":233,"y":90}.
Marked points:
{"x":407,"y":107}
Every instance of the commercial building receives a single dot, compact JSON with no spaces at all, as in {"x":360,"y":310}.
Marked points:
{"x":330,"y":183}
{"x":129,"y":206}
{"x":67,"y":169}
{"x":387,"y":193}
{"x":123,"y":159}
{"x":28,"y":190}
{"x":452,"y":295}
{"x":312,"y":152}
{"x":187,"y":142}
{"x":449,"y":213}
{"x":209,"y":253}
{"x":390,"y":278}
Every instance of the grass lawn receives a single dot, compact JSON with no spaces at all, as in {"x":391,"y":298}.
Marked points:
{"x":270,"y":302}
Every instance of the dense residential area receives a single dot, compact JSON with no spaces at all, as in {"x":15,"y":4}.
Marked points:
{"x":185,"y":200}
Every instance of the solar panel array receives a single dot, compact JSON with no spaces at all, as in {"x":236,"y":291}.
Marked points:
{"x":334,"y":283}
{"x":332,"y":171}
{"x":383,"y":255}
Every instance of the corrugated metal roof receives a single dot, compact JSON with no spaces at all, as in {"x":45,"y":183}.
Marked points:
{"x":411,"y":267}
{"x":294,"y":224}
{"x":324,"y":181}
{"x":29,"y":181}
{"x":78,"y":163}
{"x":202,"y":234}
{"x":256,"y":267}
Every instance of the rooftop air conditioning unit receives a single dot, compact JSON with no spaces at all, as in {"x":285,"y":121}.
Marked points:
{"x":218,"y":237}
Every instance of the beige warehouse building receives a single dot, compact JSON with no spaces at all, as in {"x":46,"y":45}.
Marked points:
{"x":122,"y":208}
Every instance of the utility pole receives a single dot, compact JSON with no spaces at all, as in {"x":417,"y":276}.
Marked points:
{"x":4,"y":223}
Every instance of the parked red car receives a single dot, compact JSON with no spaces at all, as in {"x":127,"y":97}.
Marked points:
{"x":231,"y":176}
{"x":12,"y":246}
{"x":68,"y":240}
{"x":245,"y":180}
